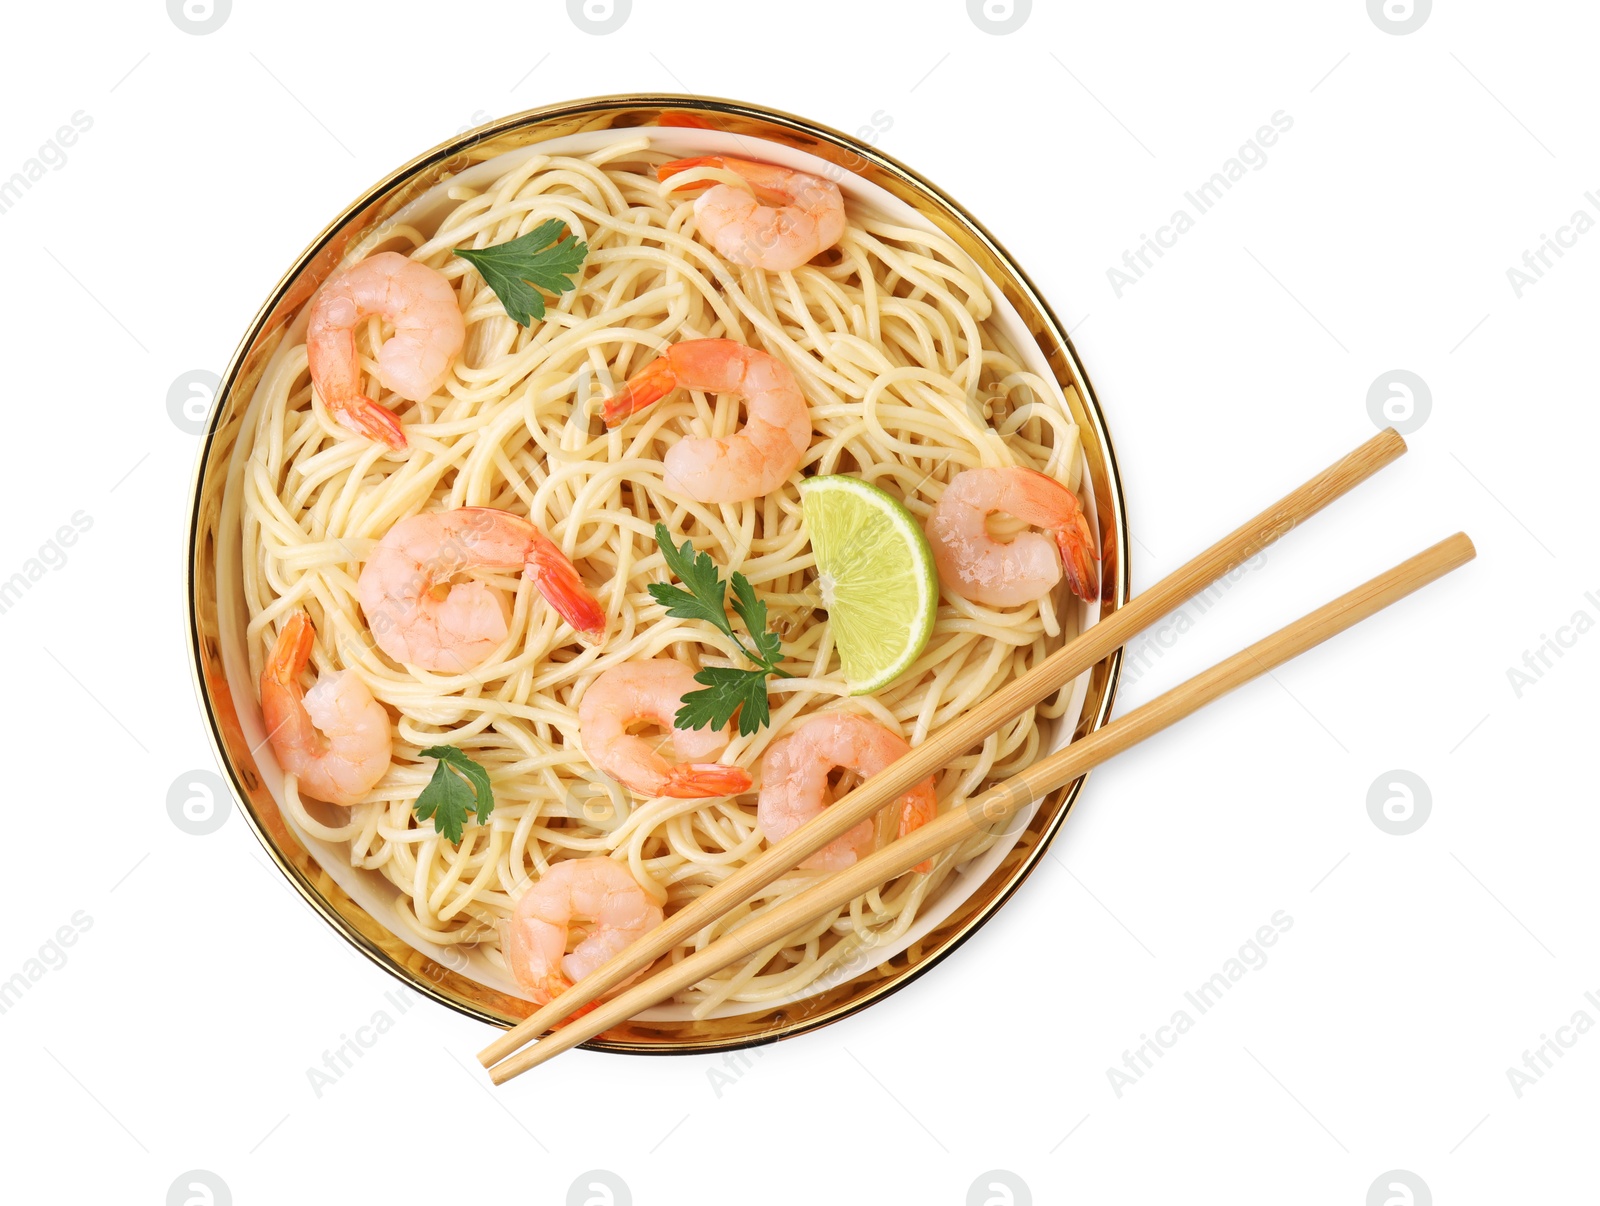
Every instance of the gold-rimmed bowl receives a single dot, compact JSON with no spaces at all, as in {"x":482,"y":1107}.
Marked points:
{"x":213,"y":541}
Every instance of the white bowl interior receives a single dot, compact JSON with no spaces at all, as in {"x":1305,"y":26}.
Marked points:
{"x":369,"y":888}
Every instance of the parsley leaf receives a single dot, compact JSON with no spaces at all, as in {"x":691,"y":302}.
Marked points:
{"x":459,"y":786}
{"x":753,"y":612}
{"x":704,"y":598}
{"x":539,"y":258}
{"x":729,"y":689}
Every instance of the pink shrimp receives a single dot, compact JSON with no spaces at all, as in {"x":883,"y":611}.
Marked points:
{"x":753,"y":461}
{"x":335,"y":738}
{"x":976,"y":566}
{"x":418,"y":619}
{"x":414,"y":362}
{"x":794,"y":783}
{"x":652,"y":690}
{"x":598,"y":890}
{"x":786,"y":219}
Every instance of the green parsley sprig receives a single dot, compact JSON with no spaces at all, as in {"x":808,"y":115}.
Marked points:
{"x":729,"y":689}
{"x":539,"y":258}
{"x":459,"y":786}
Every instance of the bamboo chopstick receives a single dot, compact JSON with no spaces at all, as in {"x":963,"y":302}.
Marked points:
{"x":966,"y":731}
{"x":997,"y":804}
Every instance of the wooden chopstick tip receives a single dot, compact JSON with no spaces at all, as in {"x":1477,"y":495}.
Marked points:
{"x":1462,"y":547}
{"x":1392,"y":439}
{"x":500,"y":1073}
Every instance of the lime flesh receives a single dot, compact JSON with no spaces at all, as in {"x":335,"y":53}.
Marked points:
{"x":876,"y":575}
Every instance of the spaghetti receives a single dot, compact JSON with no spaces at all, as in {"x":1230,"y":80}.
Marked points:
{"x":909,"y":381}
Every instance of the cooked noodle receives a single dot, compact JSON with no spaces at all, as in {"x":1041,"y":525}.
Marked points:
{"x":909,"y":381}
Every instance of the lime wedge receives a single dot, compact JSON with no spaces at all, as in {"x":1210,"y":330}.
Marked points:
{"x":876,"y":574}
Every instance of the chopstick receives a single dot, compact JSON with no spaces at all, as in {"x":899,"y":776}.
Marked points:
{"x":997,"y":804}
{"x":966,"y":731}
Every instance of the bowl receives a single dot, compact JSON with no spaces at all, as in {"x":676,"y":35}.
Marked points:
{"x":336,"y":891}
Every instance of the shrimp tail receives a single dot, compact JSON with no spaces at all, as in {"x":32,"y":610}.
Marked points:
{"x":292,"y":652}
{"x":548,"y":987}
{"x":576,"y":1013}
{"x":1074,"y":538}
{"x":705,"y":781}
{"x":765,"y":179}
{"x":1078,"y":557}
{"x":650,"y":384}
{"x":557,"y":579}
{"x":668,"y":170}
{"x":552,"y":986}
{"x":916,"y":811}
{"x":367,"y":418}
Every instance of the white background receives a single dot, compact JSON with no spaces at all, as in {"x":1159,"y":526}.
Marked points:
{"x":1377,"y":236}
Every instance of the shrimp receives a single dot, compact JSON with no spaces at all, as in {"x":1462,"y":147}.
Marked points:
{"x":414,"y":362}
{"x":794,"y":783}
{"x":803,"y":215}
{"x":598,"y":890}
{"x":335,"y":738}
{"x":652,"y":690}
{"x":418,"y":619}
{"x":976,"y":566}
{"x":753,"y":461}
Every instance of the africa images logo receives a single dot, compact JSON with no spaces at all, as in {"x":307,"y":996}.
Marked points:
{"x":1202,"y":199}
{"x":1538,"y":261}
{"x":51,"y":155}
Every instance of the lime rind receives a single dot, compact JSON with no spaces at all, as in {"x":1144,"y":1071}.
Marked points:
{"x":877,"y":576}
